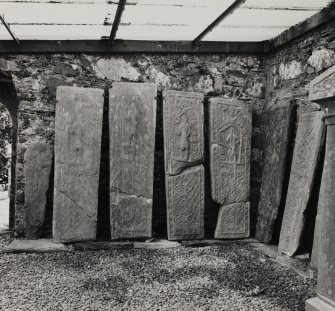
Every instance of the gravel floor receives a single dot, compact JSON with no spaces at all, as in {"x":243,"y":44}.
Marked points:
{"x":210,"y":278}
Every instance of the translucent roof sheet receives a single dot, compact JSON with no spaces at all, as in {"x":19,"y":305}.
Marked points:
{"x":255,"y":20}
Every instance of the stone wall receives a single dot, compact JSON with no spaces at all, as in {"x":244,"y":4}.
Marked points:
{"x":37,"y":76}
{"x":294,"y":65}
{"x":289,"y":71}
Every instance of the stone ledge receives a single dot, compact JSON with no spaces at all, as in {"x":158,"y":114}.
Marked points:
{"x":35,"y":246}
{"x":316,"y":304}
{"x":204,"y":243}
{"x":299,"y":265}
{"x":156,"y":244}
{"x":105,"y":245}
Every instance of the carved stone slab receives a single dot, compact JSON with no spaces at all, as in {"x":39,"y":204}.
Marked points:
{"x":185,"y":204}
{"x":233,"y":221}
{"x":323,"y":86}
{"x":132,"y":123}
{"x":326,"y":271}
{"x":277,"y":130}
{"x":78,"y":132}
{"x":303,"y":169}
{"x":37,"y":169}
{"x":230,"y":140}
{"x":183,"y":130}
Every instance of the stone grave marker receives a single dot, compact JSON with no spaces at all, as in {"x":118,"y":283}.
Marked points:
{"x":305,"y":157}
{"x":230,"y":145}
{"x":183,"y":126}
{"x":78,"y":132}
{"x":277,"y":130}
{"x":185,"y":204}
{"x":132,"y":124}
{"x":322,"y":91}
{"x":230,"y":140}
{"x":183,"y":130}
{"x":37,"y":170}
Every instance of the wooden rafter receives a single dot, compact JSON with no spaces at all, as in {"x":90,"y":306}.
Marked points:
{"x":227,"y":12}
{"x":2,"y":18}
{"x":117,"y":20}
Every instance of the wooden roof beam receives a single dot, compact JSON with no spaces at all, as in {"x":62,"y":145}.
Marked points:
{"x":2,"y":18}
{"x":117,"y":20}
{"x":128,"y":46}
{"x":236,"y":4}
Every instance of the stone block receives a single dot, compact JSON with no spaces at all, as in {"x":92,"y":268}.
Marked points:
{"x":78,"y":129}
{"x":159,"y":244}
{"x":185,"y":204}
{"x":183,"y":130}
{"x":233,"y":221}
{"x":35,"y":246}
{"x":323,"y":87}
{"x":37,"y":170}
{"x":102,"y":245}
{"x":306,"y":155}
{"x":132,"y":124}
{"x":277,"y":130}
{"x":316,"y":304}
{"x":230,"y":140}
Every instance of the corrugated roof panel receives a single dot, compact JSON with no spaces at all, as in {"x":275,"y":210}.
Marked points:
{"x":255,"y":20}
{"x":151,"y":32}
{"x":242,"y":34}
{"x":55,"y":13}
{"x":171,"y":15}
{"x":59,"y":32}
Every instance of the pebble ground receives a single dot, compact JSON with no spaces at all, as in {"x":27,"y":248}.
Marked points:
{"x":234,"y":278}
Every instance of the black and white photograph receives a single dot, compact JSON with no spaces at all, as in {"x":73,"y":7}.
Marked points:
{"x":160,"y":155}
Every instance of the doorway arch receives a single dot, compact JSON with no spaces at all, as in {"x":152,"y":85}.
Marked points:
{"x":9,"y":111}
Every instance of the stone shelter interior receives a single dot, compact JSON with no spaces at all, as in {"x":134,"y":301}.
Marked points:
{"x":145,"y":134}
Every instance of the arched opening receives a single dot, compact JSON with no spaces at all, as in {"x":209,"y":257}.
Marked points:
{"x":6,"y":129}
{"x":8,"y":148}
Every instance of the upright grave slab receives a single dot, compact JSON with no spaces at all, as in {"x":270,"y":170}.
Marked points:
{"x":305,"y":158}
{"x":183,"y":125}
{"x":37,"y":169}
{"x":183,"y":119}
{"x":132,"y":124}
{"x":322,"y":91}
{"x":230,"y":145}
{"x":78,"y":132}
{"x":185,"y":204}
{"x":277,"y":131}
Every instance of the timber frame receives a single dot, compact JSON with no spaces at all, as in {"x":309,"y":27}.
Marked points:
{"x":112,"y":45}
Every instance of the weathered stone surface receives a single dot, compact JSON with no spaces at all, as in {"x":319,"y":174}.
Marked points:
{"x":35,"y":246}
{"x":183,"y":130}
{"x":277,"y":129}
{"x":316,"y":304}
{"x":233,"y":221}
{"x":317,"y":237}
{"x":95,"y":246}
{"x":205,"y":243}
{"x":323,"y":86}
{"x":326,"y":271}
{"x":159,"y":244}
{"x":305,"y":158}
{"x":37,"y":169}
{"x":78,"y":131}
{"x":132,"y":123}
{"x":230,"y":140}
{"x":185,"y":204}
